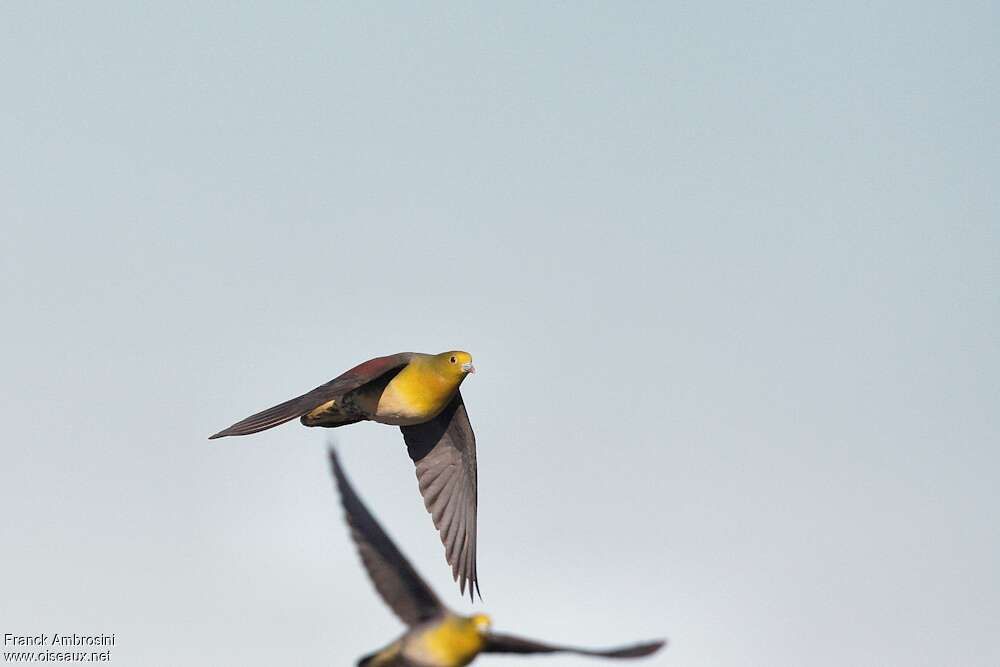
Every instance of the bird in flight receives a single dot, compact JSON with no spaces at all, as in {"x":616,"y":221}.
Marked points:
{"x":419,"y":393}
{"x":435,"y":636}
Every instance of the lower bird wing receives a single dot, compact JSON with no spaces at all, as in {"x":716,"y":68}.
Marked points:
{"x":359,"y":375}
{"x":497,"y":643}
{"x":444,"y":451}
{"x":394,"y":578}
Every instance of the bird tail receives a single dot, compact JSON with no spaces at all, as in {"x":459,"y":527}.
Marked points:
{"x":279,"y":414}
{"x":387,"y":657}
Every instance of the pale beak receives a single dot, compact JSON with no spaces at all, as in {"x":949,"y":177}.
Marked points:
{"x":468,"y":367}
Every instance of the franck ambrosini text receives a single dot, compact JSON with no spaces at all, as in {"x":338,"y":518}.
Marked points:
{"x":58,"y":647}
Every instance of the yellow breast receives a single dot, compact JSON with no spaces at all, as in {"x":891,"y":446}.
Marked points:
{"x":452,"y":643}
{"x":417,"y":393}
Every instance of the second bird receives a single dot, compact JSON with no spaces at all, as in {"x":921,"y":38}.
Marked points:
{"x":419,"y":393}
{"x":435,"y":636}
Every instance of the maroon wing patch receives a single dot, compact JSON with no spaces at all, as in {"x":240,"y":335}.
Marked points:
{"x":349,"y":380}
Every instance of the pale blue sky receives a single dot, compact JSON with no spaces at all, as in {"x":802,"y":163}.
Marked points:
{"x":730,"y":275}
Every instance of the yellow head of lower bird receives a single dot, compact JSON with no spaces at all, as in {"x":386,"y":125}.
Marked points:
{"x":454,"y":363}
{"x":455,"y":641}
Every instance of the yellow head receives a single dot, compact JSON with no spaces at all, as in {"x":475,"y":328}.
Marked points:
{"x":482,"y":622}
{"x":454,"y":363}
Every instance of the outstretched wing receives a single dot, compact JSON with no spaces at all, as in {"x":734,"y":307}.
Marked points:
{"x":496,"y":643}
{"x":396,"y":581}
{"x":444,"y":451}
{"x":300,"y":405}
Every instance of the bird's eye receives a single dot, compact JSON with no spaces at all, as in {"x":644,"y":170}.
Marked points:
{"x":453,"y":360}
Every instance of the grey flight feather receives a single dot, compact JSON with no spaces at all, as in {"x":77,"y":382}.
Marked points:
{"x":444,"y":452}
{"x":497,"y":643}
